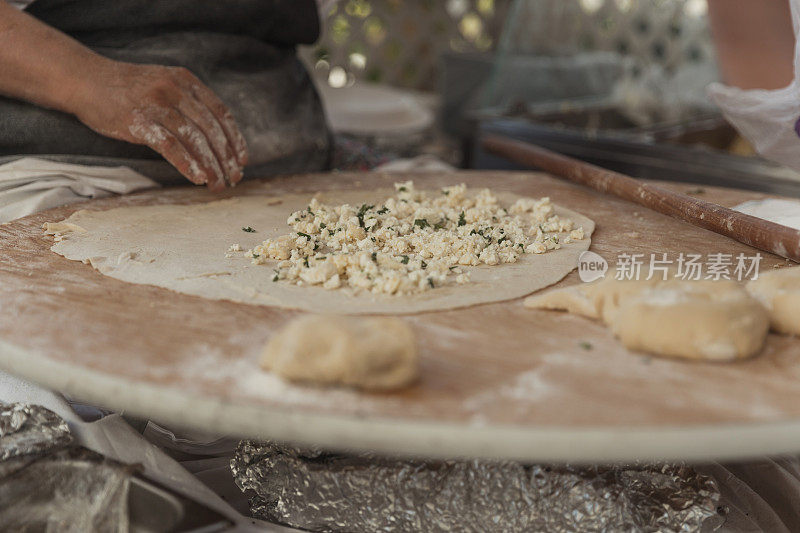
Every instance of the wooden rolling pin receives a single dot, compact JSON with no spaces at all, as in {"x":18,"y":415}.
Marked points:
{"x":762,"y":234}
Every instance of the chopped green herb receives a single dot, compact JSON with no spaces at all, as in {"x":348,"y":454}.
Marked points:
{"x":445,"y":192}
{"x":309,"y":210}
{"x":423,"y":264}
{"x":330,"y":233}
{"x":430,"y":282}
{"x":453,"y":267}
{"x":305,"y":261}
{"x":256,"y":256}
{"x":503,"y":238}
{"x":521,"y":246}
{"x":306,"y":235}
{"x":276,"y":276}
{"x":404,"y":259}
{"x":383,"y":210}
{"x":440,"y":225}
{"x":462,"y":219}
{"x":374,"y":257}
{"x":482,"y":234}
{"x":322,"y":225}
{"x":321,"y":258}
{"x":421,"y":222}
{"x":586,"y":345}
{"x":402,"y":189}
{"x":248,"y":229}
{"x":361,"y":212}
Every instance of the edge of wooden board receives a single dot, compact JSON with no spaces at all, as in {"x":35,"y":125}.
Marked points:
{"x":399,"y":437}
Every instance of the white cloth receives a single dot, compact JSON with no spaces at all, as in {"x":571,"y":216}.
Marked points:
{"x":768,"y":119}
{"x":786,"y":212}
{"x":29,"y":185}
{"x":421,"y":163}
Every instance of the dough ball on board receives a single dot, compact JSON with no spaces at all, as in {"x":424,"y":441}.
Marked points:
{"x":703,"y":320}
{"x":364,"y":353}
{"x":707,"y":320}
{"x":779,"y":291}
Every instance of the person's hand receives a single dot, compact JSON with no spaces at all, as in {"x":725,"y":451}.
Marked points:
{"x":169,"y":110}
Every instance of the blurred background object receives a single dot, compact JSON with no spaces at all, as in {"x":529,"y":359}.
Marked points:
{"x":754,"y":42}
{"x":619,"y":83}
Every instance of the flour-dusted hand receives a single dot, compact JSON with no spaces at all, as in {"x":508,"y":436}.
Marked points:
{"x":169,"y":110}
{"x":165,"y":108}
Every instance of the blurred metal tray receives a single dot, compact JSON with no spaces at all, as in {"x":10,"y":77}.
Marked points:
{"x":684,"y":151}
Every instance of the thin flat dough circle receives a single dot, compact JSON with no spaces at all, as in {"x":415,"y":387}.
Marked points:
{"x":183,"y":248}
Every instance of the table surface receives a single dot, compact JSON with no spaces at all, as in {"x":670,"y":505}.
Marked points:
{"x":498,"y":380}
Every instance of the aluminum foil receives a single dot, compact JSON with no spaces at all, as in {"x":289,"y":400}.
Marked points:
{"x":49,"y":484}
{"x":313,"y":490}
{"x":30,"y":430}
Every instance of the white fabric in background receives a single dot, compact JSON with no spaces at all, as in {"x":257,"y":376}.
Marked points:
{"x":421,"y":163}
{"x":786,"y":212}
{"x":29,"y":185}
{"x":767,"y":118}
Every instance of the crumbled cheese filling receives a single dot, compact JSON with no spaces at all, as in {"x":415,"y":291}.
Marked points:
{"x":412,"y":242}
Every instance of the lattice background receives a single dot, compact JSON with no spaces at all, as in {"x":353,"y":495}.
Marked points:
{"x":670,"y":33}
{"x":399,"y":42}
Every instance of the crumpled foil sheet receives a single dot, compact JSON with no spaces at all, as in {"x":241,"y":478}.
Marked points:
{"x":49,"y":484}
{"x":30,"y":430}
{"x":313,"y":490}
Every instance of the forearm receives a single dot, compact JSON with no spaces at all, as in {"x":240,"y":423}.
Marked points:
{"x":39,"y":64}
{"x":754,"y":42}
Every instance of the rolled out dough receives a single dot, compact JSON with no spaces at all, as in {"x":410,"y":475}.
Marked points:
{"x":708,"y":320}
{"x":377,"y":353}
{"x":183,"y":248}
{"x":779,"y":291}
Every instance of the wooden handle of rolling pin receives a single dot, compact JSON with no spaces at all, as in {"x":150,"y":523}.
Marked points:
{"x":756,"y":232}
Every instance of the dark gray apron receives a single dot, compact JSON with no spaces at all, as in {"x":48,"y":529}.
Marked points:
{"x":244,"y":50}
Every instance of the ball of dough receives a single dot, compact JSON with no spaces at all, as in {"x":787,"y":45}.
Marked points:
{"x":365,"y":353}
{"x":708,"y":320}
{"x":779,"y":291}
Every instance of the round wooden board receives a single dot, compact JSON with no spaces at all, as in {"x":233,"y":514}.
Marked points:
{"x":498,"y":380}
